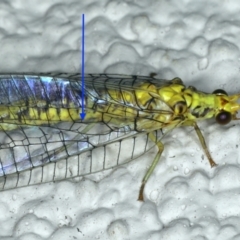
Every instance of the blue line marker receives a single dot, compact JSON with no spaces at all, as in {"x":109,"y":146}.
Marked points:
{"x":83,"y":114}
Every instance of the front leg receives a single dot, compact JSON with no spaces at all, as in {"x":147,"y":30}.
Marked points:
{"x":202,"y":141}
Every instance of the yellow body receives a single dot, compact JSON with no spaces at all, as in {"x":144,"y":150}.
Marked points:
{"x":133,"y":103}
{"x":152,"y":107}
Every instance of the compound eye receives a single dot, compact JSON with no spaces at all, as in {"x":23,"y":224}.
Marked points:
{"x":220,"y":92}
{"x":223,"y":118}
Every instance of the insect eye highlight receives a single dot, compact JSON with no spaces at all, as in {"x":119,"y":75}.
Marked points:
{"x":223,"y":117}
{"x":220,"y":92}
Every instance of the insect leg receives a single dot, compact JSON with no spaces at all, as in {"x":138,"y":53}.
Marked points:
{"x":88,"y":127}
{"x":152,"y":167}
{"x":202,"y":141}
{"x":65,"y":146}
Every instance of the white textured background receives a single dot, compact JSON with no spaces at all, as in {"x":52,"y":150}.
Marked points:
{"x":185,"y":199}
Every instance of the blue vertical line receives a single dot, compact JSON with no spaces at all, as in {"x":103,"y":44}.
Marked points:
{"x":83,"y":114}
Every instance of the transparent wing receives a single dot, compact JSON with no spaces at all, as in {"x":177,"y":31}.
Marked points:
{"x":43,"y":154}
{"x":36,"y":147}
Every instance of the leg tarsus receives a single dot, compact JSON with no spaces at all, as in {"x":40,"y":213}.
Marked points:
{"x":140,"y":196}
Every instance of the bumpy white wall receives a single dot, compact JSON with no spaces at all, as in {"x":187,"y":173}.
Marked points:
{"x":195,"y":40}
